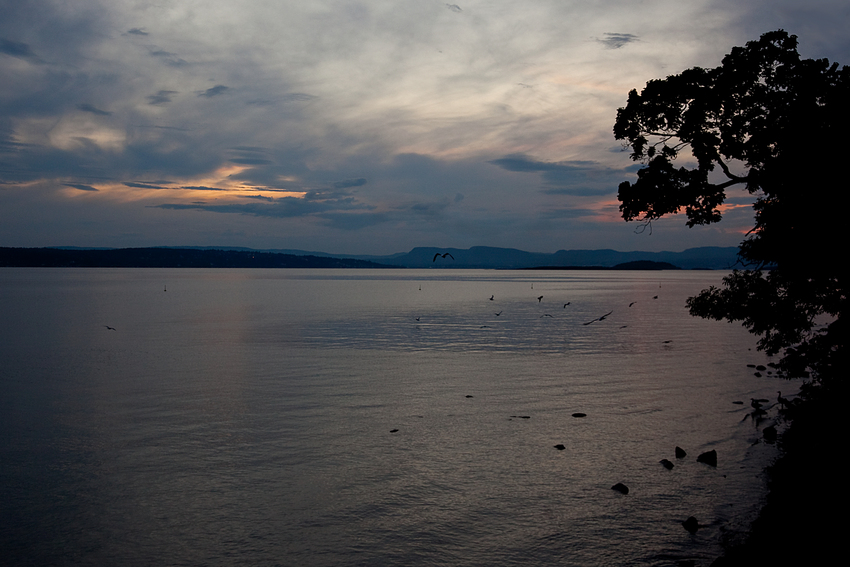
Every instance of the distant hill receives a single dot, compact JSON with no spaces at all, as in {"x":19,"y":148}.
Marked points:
{"x":486,"y":257}
{"x":478,"y":257}
{"x":168,"y":258}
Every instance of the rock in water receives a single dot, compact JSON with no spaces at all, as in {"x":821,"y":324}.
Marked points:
{"x":560,"y":447}
{"x":691,"y":525}
{"x":680,"y":453}
{"x":709,"y":458}
{"x":667,"y":464}
{"x":621,"y":488}
{"x":769,"y":434}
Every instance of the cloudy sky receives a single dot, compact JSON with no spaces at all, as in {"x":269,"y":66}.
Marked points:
{"x":346,"y":126}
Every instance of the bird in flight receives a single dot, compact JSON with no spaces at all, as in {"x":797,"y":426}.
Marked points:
{"x":599,"y":318}
{"x":565,"y":304}
{"x":437,"y":255}
{"x":539,"y":299}
{"x":110,"y":328}
{"x":491,"y":297}
{"x":499,"y":313}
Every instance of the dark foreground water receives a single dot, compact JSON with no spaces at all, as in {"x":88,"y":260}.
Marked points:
{"x":299,"y":417}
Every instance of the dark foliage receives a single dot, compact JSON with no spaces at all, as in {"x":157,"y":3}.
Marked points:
{"x":773,"y":123}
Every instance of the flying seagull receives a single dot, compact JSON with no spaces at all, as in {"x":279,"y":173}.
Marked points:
{"x":443,"y":255}
{"x":110,"y":328}
{"x":599,"y":318}
{"x":539,"y":299}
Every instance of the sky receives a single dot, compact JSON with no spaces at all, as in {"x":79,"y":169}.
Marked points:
{"x":352,"y":127}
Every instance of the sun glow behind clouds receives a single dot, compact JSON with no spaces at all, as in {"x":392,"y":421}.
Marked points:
{"x":219,"y":187}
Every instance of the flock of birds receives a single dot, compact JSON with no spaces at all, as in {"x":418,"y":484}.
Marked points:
{"x":539,"y":300}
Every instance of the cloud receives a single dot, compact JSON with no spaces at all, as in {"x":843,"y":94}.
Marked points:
{"x":578,"y":177}
{"x":285,"y":207}
{"x":214,"y":91}
{"x":89,"y":108}
{"x":350,"y":183}
{"x":80,"y":186}
{"x":17,"y":49}
{"x":251,"y":161}
{"x":139,"y":185}
{"x":137,"y":31}
{"x":169,"y":58}
{"x":160,"y":98}
{"x":617,"y":40}
{"x":454,"y":7}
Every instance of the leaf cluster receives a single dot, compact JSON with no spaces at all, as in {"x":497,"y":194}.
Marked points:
{"x":779,"y":122}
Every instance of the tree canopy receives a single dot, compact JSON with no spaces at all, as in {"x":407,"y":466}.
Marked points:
{"x":774,"y":124}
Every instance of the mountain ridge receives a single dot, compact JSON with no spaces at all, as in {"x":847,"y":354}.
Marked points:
{"x":476,"y":257}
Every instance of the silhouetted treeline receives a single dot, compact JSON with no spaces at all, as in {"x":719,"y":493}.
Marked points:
{"x":167,"y":258}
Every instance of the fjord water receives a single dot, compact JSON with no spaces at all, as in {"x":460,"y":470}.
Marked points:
{"x":356,"y":417}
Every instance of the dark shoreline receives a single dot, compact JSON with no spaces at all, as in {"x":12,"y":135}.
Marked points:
{"x":802,"y":520}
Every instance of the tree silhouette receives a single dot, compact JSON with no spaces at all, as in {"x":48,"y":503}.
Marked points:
{"x":775,"y":124}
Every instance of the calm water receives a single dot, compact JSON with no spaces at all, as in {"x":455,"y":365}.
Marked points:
{"x":246,"y":417}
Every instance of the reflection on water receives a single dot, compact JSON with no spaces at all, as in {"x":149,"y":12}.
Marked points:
{"x":245,"y":416}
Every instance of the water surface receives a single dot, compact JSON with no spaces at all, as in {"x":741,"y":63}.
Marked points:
{"x":246,"y":417}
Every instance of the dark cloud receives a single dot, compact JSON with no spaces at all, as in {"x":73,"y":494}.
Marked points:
{"x":169,"y":58}
{"x":214,"y":91}
{"x":162,"y":97}
{"x":139,"y":185}
{"x":428,"y":209}
{"x":17,"y":49}
{"x":201,"y":188}
{"x":89,"y":108}
{"x":251,"y":161}
{"x":255,"y":149}
{"x":350,"y":183}
{"x":566,"y":177}
{"x":454,"y":7}
{"x":258,"y":197}
{"x":80,"y":186}
{"x":617,"y":40}
{"x":287,"y":98}
{"x":137,"y":31}
{"x":285,"y":207}
{"x":522,"y":163}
